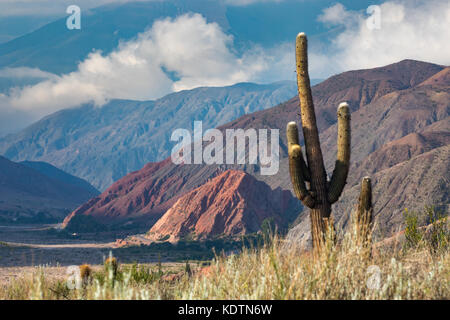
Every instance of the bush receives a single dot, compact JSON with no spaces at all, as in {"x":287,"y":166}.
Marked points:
{"x":140,"y":274}
{"x":83,"y":223}
{"x":434,"y":234}
{"x":438,"y":235}
{"x":413,"y":235}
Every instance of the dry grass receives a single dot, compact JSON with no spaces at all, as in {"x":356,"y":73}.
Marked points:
{"x":276,"y":271}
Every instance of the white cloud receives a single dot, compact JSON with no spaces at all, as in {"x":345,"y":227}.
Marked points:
{"x":197,"y":52}
{"x":201,"y":54}
{"x":335,"y":15}
{"x":409,"y":30}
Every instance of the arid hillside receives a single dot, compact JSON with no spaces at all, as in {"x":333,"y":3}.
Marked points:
{"x":400,"y":130}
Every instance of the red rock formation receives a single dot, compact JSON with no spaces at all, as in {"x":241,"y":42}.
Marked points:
{"x":233,"y":203}
{"x":139,"y":193}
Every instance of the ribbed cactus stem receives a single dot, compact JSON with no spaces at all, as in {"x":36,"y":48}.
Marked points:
{"x":365,"y":201}
{"x":342,"y":165}
{"x":364,"y":213}
{"x":318,"y":185}
{"x":308,"y":115}
{"x":321,"y":195}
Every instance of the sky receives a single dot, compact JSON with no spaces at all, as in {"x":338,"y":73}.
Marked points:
{"x":55,"y":7}
{"x":200,"y":53}
{"x":47,"y":7}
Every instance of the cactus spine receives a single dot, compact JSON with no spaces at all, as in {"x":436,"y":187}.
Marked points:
{"x":321,"y":194}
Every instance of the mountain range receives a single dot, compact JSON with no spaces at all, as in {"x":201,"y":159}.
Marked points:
{"x":400,"y":137}
{"x":38,"y":192}
{"x":103,"y":144}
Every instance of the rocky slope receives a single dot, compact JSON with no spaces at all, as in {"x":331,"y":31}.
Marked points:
{"x":36,"y":192}
{"x":104,"y":144}
{"x":233,"y":203}
{"x":394,"y":130}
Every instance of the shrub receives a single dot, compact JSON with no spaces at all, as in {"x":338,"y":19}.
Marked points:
{"x":434,"y":235}
{"x":438,"y":235}
{"x":83,"y":223}
{"x":60,"y":290}
{"x":140,"y":274}
{"x":413,"y":235}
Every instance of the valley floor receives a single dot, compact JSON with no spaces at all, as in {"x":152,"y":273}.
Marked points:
{"x":39,"y":245}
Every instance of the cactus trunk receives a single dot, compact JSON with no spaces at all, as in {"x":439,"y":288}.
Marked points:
{"x":321,"y":194}
{"x":364,"y":213}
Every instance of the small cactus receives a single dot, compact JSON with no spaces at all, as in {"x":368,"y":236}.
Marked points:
{"x":85,"y":273}
{"x":322,"y":193}
{"x":111,"y":265}
{"x":364,"y":211}
{"x":187,"y":269}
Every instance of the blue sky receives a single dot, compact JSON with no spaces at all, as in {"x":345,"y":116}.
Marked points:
{"x":201,"y":52}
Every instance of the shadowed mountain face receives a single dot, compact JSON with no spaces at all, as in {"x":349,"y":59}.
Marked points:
{"x":399,"y":137}
{"x":33,"y":192}
{"x":56,"y":174}
{"x":103,"y":144}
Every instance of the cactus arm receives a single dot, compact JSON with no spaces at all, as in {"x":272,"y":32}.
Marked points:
{"x":298,"y":183}
{"x":342,"y":165}
{"x":292,"y":138}
{"x":297,"y":166}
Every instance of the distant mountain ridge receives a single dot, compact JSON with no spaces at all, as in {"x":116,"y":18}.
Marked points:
{"x":33,"y":192}
{"x":103,"y":144}
{"x":59,"y":175}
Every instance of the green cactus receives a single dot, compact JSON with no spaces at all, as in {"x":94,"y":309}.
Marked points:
{"x":364,"y":211}
{"x":321,"y":194}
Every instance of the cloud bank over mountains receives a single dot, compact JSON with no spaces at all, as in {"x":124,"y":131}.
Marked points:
{"x":173,"y":55}
{"x":187,"y":52}
{"x":408,"y":30}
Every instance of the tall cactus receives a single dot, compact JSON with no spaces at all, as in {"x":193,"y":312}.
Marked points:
{"x":321,"y":194}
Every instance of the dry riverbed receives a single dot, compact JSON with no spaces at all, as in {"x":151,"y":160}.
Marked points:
{"x":29,"y":249}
